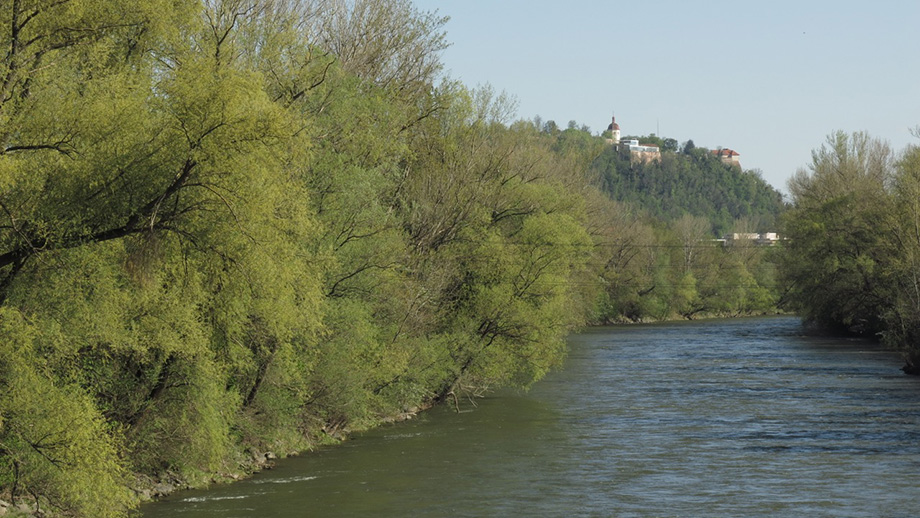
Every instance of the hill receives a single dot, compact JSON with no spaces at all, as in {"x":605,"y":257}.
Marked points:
{"x":691,"y":181}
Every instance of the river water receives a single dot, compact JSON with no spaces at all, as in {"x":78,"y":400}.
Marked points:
{"x":719,"y":418}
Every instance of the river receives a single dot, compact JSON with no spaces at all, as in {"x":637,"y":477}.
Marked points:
{"x":744,"y":417}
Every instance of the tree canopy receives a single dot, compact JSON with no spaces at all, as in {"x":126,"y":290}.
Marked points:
{"x":851,"y":259}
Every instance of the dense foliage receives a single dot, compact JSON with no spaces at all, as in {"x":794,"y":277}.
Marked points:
{"x":231,"y":225}
{"x":851,"y":260}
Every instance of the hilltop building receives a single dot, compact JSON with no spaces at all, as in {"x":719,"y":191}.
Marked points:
{"x":644,"y":153}
{"x":614,"y":130}
{"x":728,"y":156}
{"x":637,"y":152}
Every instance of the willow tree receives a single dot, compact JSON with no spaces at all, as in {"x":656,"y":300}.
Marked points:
{"x":79,"y":158}
{"x":152,"y":234}
{"x":497,"y":232}
{"x":239,"y":224}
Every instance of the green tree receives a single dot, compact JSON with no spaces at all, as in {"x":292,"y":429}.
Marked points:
{"x":53,"y":441}
{"x":903,"y":318}
{"x":836,"y":234}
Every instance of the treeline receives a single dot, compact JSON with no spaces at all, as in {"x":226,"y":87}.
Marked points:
{"x":234,"y":226}
{"x":852,"y":259}
{"x":692,"y":181}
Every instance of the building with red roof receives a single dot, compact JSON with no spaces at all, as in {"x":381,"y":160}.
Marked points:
{"x":728,"y":156}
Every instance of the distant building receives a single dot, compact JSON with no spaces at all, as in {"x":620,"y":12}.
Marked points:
{"x":614,"y":130}
{"x":728,"y":156}
{"x":640,"y":152}
{"x":637,"y":152}
{"x":764,"y":239}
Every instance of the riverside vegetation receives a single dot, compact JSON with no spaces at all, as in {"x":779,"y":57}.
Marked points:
{"x":852,"y":261}
{"x":229,"y":227}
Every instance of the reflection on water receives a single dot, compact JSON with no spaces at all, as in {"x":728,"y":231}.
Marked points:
{"x":722,"y":418}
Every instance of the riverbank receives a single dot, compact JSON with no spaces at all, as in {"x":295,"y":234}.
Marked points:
{"x":780,"y":421}
{"x":244,"y":465}
{"x":254,"y":461}
{"x":239,"y":466}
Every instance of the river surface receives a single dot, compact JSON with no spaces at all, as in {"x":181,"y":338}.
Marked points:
{"x":718,"y":418}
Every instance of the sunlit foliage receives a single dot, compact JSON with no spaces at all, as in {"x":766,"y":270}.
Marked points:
{"x":232,"y":226}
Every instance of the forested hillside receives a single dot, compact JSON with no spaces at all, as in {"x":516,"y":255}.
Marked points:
{"x":691,"y":181}
{"x":234,"y":226}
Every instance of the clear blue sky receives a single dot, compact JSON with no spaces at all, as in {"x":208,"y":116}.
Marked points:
{"x":768,"y":78}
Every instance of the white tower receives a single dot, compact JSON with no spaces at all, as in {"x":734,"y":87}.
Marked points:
{"x":614,"y":130}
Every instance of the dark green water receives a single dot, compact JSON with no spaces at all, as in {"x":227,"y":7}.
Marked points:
{"x":722,"y":418}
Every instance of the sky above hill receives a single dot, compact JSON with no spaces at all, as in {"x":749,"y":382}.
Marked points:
{"x":768,"y":79}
